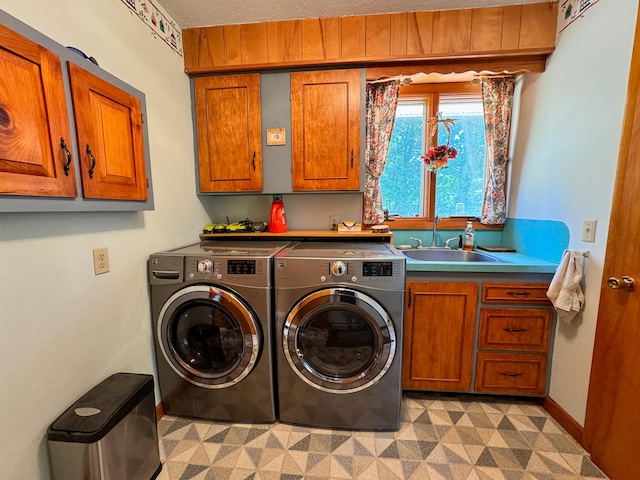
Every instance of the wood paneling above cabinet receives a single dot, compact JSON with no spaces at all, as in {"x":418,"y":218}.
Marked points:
{"x":470,"y":33}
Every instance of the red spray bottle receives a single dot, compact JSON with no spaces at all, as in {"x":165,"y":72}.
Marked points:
{"x":278,"y":219}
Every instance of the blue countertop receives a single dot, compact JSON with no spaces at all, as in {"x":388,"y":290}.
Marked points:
{"x":510,"y":263}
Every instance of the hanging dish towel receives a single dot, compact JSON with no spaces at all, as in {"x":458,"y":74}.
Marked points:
{"x":564,"y":291}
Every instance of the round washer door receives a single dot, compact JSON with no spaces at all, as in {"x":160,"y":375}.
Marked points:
{"x":339,"y":340}
{"x":209,"y":336}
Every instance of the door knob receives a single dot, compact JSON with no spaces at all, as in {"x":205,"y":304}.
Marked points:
{"x":624,"y":283}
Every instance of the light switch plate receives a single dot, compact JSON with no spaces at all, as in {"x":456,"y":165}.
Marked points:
{"x":589,"y":230}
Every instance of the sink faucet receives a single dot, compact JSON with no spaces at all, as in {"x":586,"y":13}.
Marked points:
{"x":435,"y":229}
{"x":458,"y":241}
{"x":419,"y":242}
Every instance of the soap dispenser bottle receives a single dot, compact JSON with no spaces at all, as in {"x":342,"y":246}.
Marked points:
{"x":278,"y":219}
{"x":469,"y":237}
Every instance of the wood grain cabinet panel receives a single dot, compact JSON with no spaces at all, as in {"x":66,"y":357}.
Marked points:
{"x":515,"y":329}
{"x":515,"y":293}
{"x":34,"y":126}
{"x":439,"y":335}
{"x":325,"y":120}
{"x":514,"y":343}
{"x":229,"y":133}
{"x":109,"y":131}
{"x":521,"y":31}
{"x":524,"y":374}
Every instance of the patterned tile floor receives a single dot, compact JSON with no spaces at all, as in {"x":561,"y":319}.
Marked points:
{"x":442,"y":437}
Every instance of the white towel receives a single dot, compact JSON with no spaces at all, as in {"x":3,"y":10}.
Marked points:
{"x":564,"y":291}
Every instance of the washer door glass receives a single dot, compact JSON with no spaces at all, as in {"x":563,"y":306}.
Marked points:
{"x":339,"y":340}
{"x":209,"y":336}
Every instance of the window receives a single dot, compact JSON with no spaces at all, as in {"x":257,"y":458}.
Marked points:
{"x":410,"y":190}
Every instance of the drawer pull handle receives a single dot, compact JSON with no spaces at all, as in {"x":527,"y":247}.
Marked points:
{"x":519,"y":294}
{"x":511,"y":374}
{"x":509,"y":329}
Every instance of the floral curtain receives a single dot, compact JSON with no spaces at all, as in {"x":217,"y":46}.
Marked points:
{"x":382,"y":100}
{"x":497,"y":100}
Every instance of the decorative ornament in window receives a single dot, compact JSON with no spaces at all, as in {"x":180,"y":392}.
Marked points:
{"x":438,"y":156}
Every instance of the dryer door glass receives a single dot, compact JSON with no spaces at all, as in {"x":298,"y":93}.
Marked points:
{"x":209,"y":336}
{"x":339,"y":340}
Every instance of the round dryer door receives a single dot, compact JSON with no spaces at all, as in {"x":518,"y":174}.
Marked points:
{"x":339,"y":340}
{"x":209,"y":336}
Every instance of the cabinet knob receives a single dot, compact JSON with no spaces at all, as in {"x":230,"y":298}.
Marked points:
{"x":624,"y":283}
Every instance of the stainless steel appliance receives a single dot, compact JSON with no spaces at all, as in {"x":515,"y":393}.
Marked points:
{"x":339,"y":312}
{"x":212,"y":318}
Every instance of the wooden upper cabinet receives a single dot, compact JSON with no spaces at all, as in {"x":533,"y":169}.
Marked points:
{"x":110,"y":142}
{"x":325,"y":121}
{"x":35,"y":140}
{"x":439,"y":334}
{"x":229,"y":133}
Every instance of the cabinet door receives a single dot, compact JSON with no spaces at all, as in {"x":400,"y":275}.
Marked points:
{"x":229,"y":133}
{"x":439,"y":333}
{"x":325,"y":121}
{"x":34,"y":126}
{"x":110,"y":142}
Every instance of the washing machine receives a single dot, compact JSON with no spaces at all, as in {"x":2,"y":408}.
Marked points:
{"x":211,"y":307}
{"x":339,"y":314}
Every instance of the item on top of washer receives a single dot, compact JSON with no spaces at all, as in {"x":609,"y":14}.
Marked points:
{"x":238,"y":227}
{"x":214,"y":228}
{"x":380,"y":229}
{"x":349,"y":227}
{"x":259,"y":226}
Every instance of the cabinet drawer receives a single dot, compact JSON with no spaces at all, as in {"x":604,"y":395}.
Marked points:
{"x":511,"y":373}
{"x":515,"y":292}
{"x":515,"y":329}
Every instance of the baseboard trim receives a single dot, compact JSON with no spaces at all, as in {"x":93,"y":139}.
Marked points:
{"x":565,"y":420}
{"x":159,"y":411}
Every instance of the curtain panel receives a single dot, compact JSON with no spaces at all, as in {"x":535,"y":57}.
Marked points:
{"x":381,"y":103}
{"x":497,"y":100}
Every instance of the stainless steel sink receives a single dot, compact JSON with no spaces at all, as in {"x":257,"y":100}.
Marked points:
{"x":448,"y":255}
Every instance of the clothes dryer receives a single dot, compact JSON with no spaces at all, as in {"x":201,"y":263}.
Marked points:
{"x":339,"y":314}
{"x":211,"y":306}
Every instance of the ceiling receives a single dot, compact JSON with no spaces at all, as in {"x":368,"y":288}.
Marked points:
{"x":199,"y":13}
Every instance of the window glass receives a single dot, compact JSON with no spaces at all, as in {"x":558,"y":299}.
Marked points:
{"x":459,"y":186}
{"x":402,"y":182}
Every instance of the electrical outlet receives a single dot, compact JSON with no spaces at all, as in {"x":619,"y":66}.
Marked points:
{"x":333,"y":221}
{"x":589,"y":230}
{"x":100,"y":260}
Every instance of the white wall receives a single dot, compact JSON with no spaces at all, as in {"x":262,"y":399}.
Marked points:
{"x":62,"y":329}
{"x":564,"y":164}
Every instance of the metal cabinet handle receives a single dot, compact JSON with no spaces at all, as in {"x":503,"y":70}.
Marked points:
{"x":67,"y":164}
{"x":93,"y":161}
{"x":409,"y":304}
{"x":253,"y":161}
{"x":624,"y":283}
{"x":519,"y":294}
{"x":511,"y":374}
{"x":351,"y":158}
{"x":509,"y":329}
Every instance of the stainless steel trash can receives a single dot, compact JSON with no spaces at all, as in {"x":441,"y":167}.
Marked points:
{"x":108,"y":434}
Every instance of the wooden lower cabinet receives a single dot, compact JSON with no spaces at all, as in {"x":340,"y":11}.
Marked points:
{"x":517,"y":373}
{"x":439,"y":335}
{"x":514,"y":339}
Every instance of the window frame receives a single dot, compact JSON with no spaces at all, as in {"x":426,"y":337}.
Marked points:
{"x":430,"y":93}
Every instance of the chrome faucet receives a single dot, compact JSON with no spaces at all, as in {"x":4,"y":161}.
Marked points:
{"x":419,"y":242}
{"x":458,"y":241}
{"x":435,"y":229}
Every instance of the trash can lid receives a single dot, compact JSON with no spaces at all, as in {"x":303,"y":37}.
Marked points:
{"x":101,"y":408}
